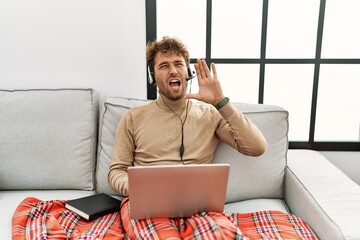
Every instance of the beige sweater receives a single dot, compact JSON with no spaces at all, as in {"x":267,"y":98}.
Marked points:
{"x":151,"y":134}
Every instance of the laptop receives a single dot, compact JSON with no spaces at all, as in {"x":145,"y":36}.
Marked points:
{"x":170,"y":191}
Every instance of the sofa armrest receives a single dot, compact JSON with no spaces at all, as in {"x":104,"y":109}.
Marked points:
{"x":322,"y":195}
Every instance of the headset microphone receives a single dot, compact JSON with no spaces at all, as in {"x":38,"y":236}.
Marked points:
{"x":191,"y":76}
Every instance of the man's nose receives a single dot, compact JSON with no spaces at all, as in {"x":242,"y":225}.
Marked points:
{"x":173,"y":69}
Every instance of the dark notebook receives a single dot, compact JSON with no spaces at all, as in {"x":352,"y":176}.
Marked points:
{"x":93,"y":206}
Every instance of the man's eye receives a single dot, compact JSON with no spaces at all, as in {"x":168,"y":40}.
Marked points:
{"x":162,"y":67}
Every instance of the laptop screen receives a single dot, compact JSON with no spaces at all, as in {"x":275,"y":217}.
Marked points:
{"x":177,"y":190}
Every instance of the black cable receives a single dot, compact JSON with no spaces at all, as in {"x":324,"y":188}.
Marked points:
{"x":182,"y":147}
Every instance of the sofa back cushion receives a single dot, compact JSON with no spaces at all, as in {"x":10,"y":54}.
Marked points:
{"x":48,"y":138}
{"x":111,"y":112}
{"x":259,"y":177}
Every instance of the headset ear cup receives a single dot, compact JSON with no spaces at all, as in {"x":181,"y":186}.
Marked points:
{"x":151,"y":78}
{"x":189,"y":72}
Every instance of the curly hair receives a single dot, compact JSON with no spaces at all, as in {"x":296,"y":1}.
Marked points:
{"x":166,"y":44}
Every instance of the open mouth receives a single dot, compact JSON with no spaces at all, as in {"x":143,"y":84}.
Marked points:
{"x":175,"y":83}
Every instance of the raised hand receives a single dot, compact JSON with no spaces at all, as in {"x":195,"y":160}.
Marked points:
{"x":210,"y":90}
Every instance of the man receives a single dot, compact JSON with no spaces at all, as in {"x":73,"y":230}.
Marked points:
{"x":175,"y":130}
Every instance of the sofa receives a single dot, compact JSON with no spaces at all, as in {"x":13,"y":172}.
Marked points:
{"x":57,"y":144}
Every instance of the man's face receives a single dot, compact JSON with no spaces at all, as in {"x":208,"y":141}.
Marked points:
{"x":170,"y":72}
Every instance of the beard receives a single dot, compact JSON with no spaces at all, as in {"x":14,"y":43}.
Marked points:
{"x":171,"y":94}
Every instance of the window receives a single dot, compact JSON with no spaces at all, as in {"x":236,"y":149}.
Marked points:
{"x":243,"y":37}
{"x":290,"y":86}
{"x":302,"y":55}
{"x":338,"y":103}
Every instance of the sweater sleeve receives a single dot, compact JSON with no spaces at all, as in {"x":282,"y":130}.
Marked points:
{"x":123,"y":155}
{"x":239,"y":132}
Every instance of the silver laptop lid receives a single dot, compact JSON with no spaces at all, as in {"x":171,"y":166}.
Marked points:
{"x":177,"y":190}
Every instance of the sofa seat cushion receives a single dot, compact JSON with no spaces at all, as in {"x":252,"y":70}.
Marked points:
{"x":11,"y":199}
{"x":256,"y":205}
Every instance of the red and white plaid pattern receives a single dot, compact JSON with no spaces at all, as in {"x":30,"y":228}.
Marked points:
{"x":210,"y":225}
{"x":273,"y":225}
{"x":40,"y":220}
{"x":214,"y":225}
{"x":35,"y":220}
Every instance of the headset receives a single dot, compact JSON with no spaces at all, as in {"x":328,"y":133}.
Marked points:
{"x":152,"y":81}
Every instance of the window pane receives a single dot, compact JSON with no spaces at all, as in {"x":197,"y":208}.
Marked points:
{"x":338,"y":104}
{"x":292,"y":27}
{"x":240,"y":82}
{"x":341,"y":29}
{"x":186,"y":21}
{"x":290,"y":86}
{"x":236,"y":28}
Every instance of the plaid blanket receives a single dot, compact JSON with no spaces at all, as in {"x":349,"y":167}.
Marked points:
{"x":39,"y":220}
{"x":35,"y":219}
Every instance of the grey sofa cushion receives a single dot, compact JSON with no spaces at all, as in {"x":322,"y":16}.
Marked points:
{"x":255,"y":205}
{"x":111,"y":112}
{"x":260,"y":177}
{"x":48,"y":139}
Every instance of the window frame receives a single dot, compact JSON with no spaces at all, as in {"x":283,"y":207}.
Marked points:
{"x":151,"y":34}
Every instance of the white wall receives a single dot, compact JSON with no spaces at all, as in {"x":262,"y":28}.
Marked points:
{"x":74,"y":43}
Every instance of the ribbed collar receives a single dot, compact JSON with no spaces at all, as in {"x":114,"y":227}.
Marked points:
{"x":165,"y":103}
